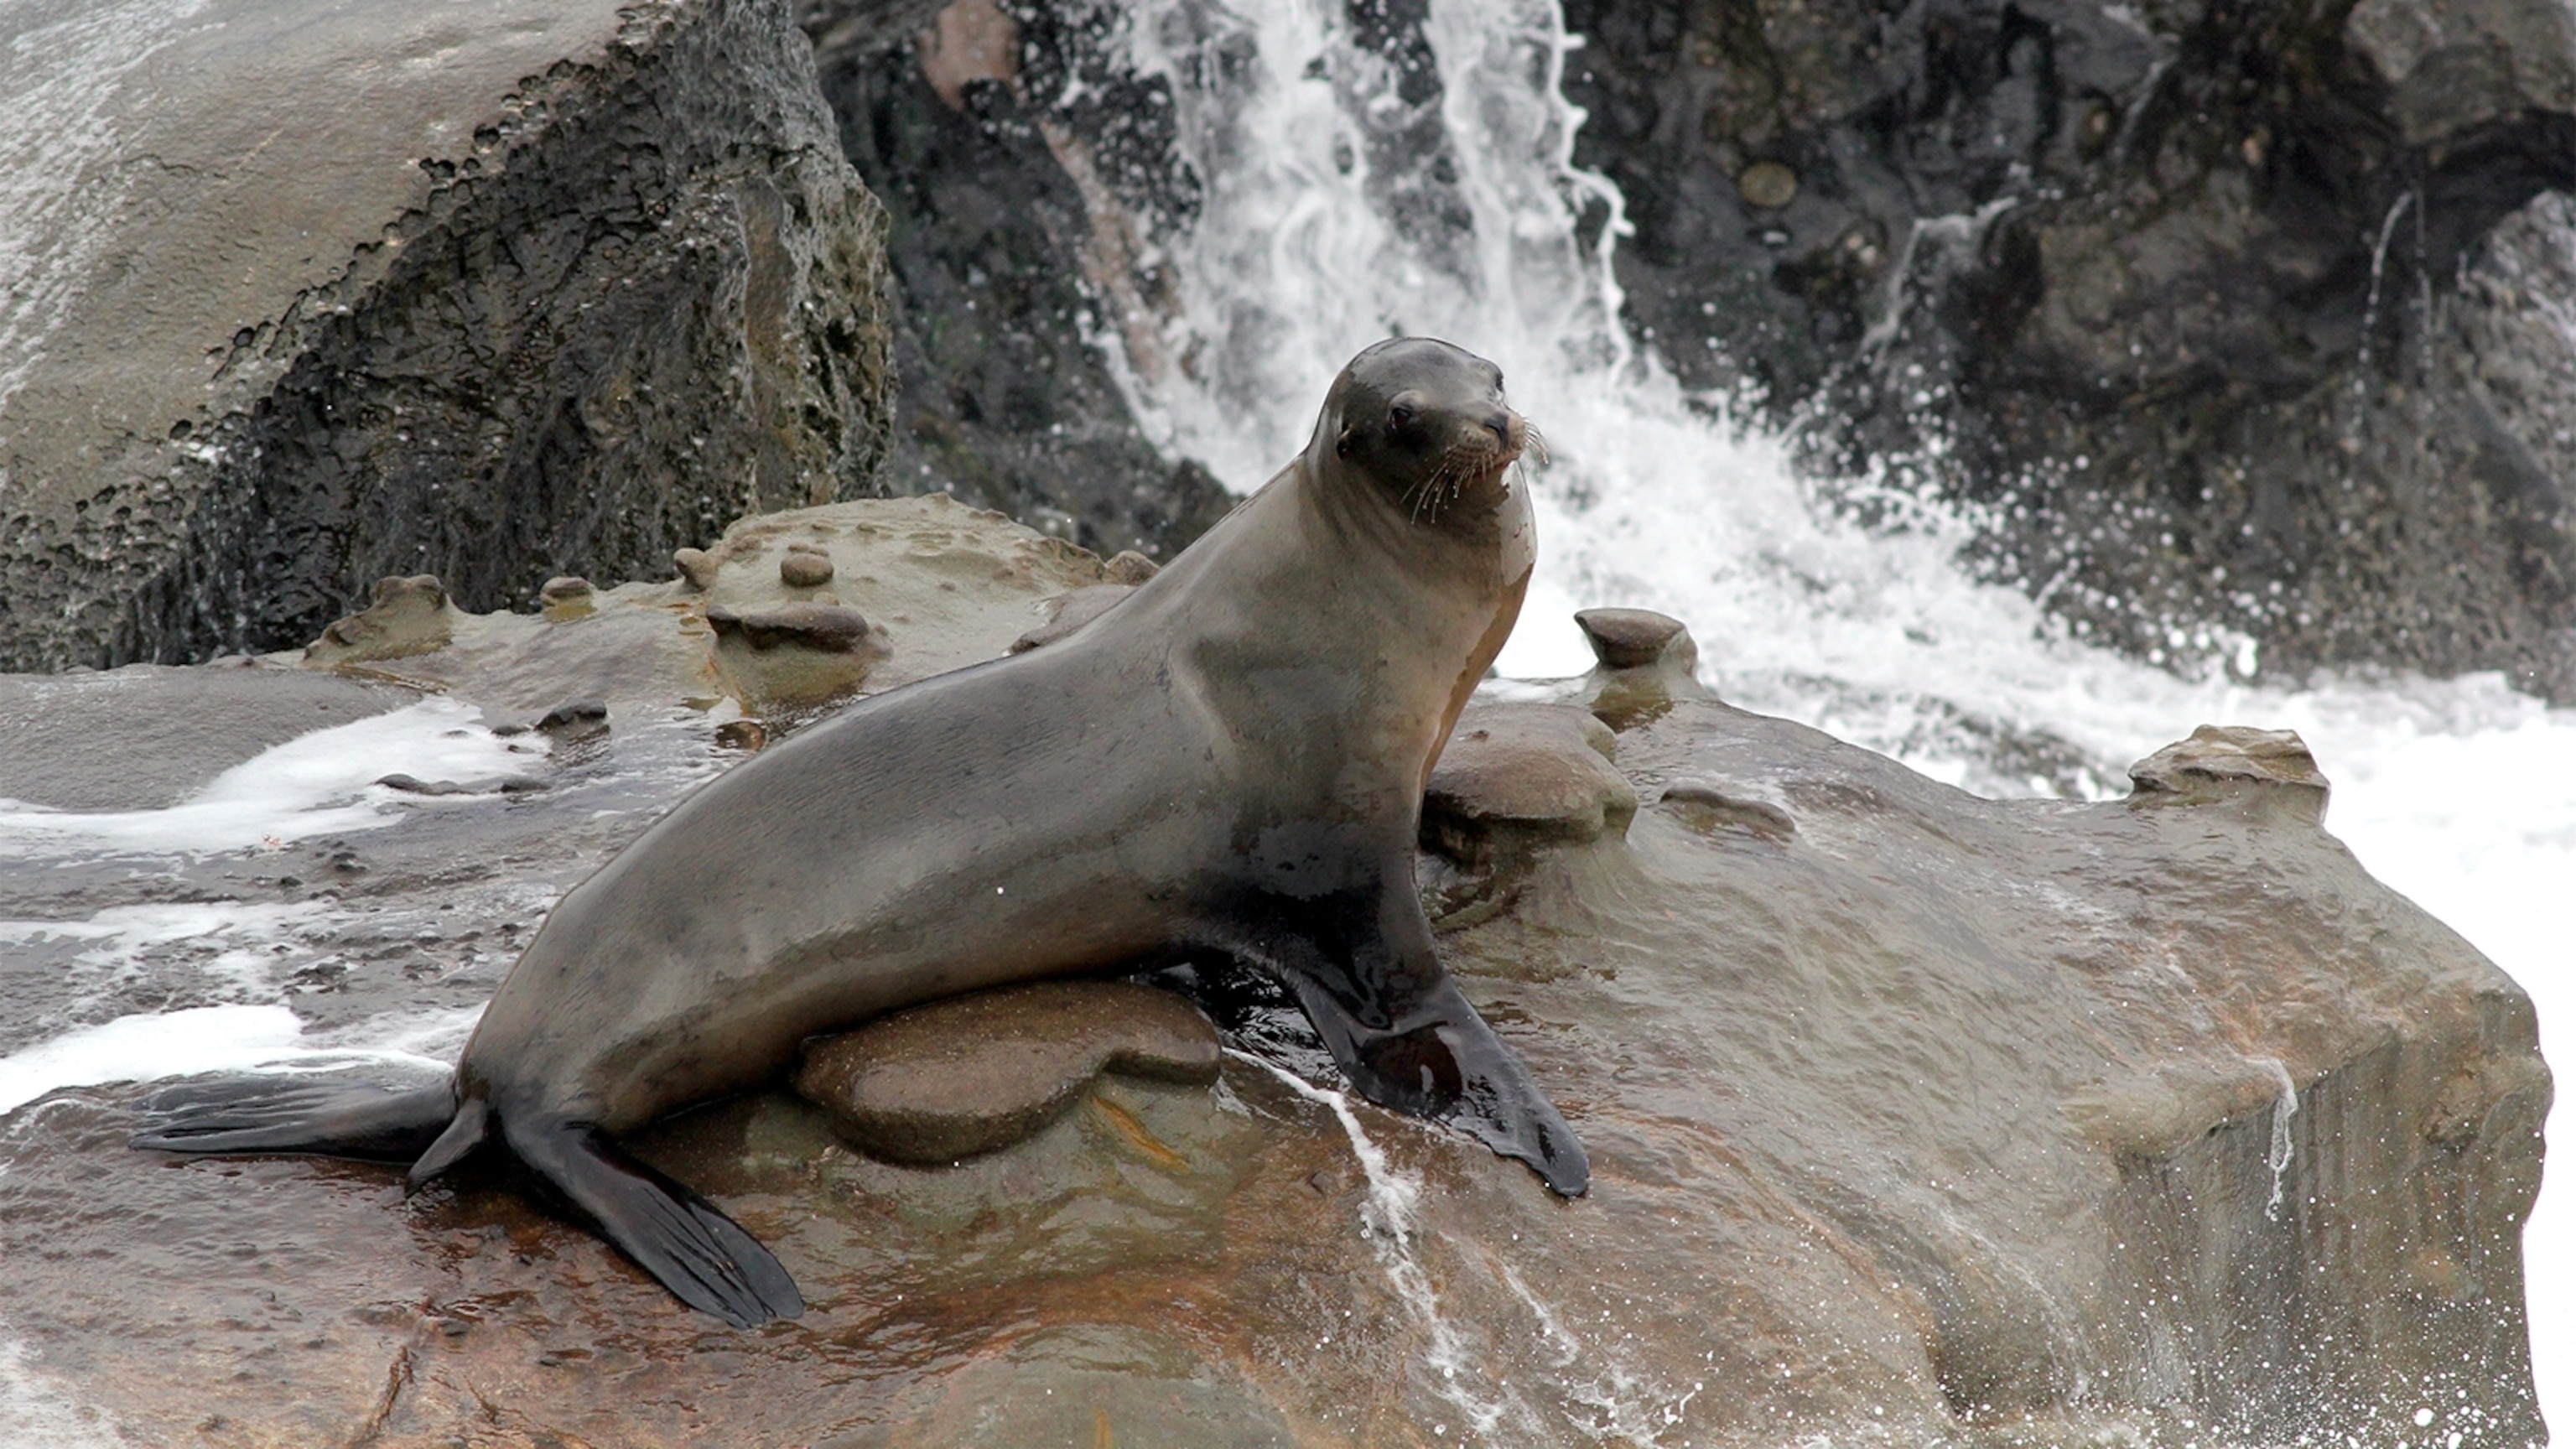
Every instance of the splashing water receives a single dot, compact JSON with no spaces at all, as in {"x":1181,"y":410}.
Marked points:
{"x":1315,"y":237}
{"x":2284,"y":1107}
{"x":1387,"y":1216}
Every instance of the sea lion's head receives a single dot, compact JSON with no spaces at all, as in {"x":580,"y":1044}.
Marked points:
{"x":1424,"y":422}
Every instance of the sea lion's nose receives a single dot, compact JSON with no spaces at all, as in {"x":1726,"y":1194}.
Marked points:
{"x":1501,"y":423}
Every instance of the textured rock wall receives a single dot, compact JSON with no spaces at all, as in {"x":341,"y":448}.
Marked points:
{"x":2230,"y":321}
{"x":1019,"y":235}
{"x":328,"y":293}
{"x":2193,"y":299}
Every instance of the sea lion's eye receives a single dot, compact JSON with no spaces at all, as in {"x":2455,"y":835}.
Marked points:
{"x":1400,"y":415}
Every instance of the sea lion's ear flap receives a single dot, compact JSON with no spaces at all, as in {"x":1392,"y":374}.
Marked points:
{"x":1342,"y":443}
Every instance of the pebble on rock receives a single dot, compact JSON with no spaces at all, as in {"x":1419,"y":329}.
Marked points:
{"x":1637,"y":639}
{"x":834,"y":628}
{"x":805,"y":566}
{"x":958,"y":1078}
{"x":1130,"y":567}
{"x":1768,"y":184}
{"x":1646,"y":661}
{"x":406,"y":616}
{"x":2227,"y":761}
{"x":697,"y":567}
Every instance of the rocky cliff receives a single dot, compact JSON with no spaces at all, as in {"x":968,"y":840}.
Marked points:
{"x":305,"y":294}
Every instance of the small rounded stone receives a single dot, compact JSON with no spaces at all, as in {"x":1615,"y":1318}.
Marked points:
{"x":1768,"y":184}
{"x":696,"y":565}
{"x":805,"y":568}
{"x":1629,"y":638}
{"x":564,"y":587}
{"x":1130,"y":568}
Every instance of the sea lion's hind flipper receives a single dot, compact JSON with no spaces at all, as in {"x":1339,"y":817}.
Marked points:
{"x":291,"y":1114}
{"x":702,"y":1256}
{"x":464,"y":1133}
{"x":1439,"y":1059}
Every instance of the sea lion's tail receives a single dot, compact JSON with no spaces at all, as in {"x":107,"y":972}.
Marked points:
{"x":286,"y":1114}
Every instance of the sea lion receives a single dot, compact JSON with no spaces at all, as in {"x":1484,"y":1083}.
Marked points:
{"x":1229,"y":764}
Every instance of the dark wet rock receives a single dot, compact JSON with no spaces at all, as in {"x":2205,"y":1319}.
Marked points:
{"x":2224,"y":761}
{"x":1072,"y":612}
{"x":1930,"y":1119}
{"x":972,"y":1074}
{"x":2226,"y":317}
{"x":496,"y":785}
{"x":173,"y":730}
{"x":581,"y":717}
{"x":325,"y":293}
{"x":1020,"y":233}
{"x":804,"y":566}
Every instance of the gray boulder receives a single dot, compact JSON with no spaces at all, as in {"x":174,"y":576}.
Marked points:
{"x":302,"y":295}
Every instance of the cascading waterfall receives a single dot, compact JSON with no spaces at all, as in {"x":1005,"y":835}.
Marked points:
{"x":1346,"y":197}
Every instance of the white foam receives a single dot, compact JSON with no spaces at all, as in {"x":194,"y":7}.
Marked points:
{"x":320,"y":783}
{"x":151,"y":1047}
{"x":36,"y":1409}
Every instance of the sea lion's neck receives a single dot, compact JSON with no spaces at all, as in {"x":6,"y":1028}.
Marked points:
{"x":1337,"y":608}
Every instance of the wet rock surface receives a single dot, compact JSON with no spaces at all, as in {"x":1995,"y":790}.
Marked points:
{"x":1913,"y":1116}
{"x":936,"y":1084}
{"x":312,"y":295}
{"x":2225,"y":314}
{"x":148,"y":736}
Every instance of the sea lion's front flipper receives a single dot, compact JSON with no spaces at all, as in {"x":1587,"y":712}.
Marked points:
{"x":702,"y":1256}
{"x":1366,"y":975}
{"x":1439,"y":1060}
